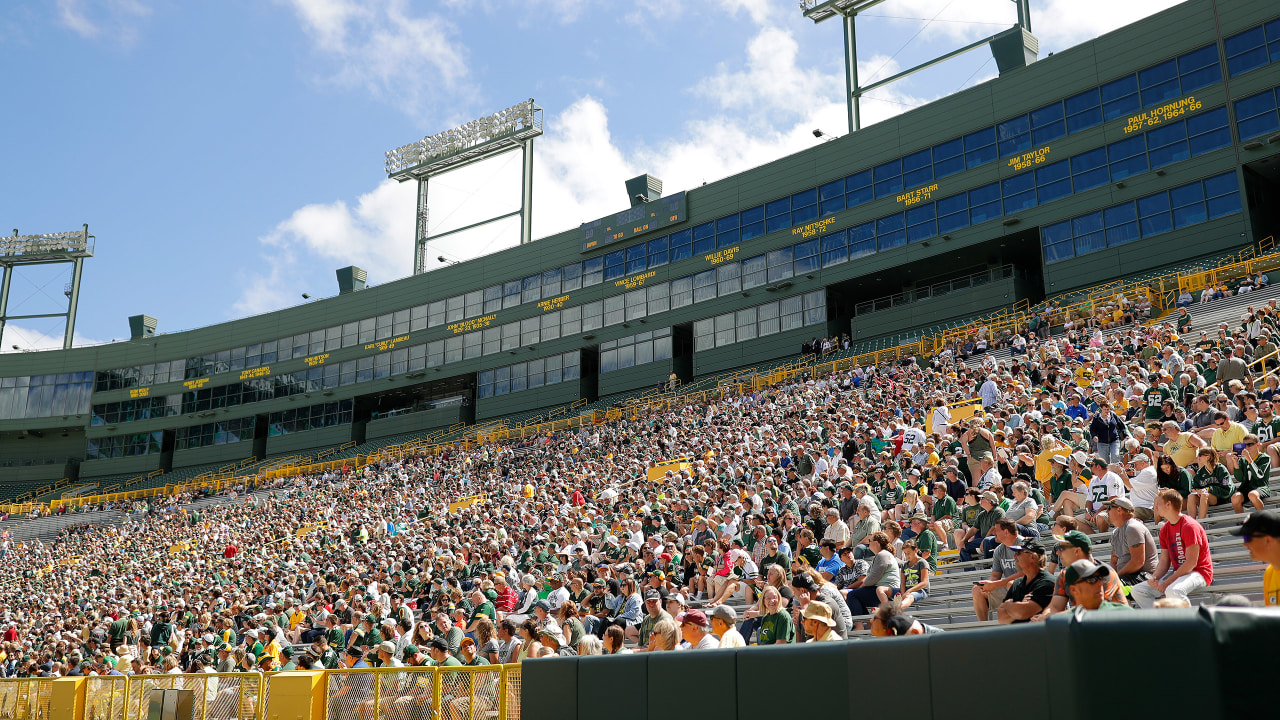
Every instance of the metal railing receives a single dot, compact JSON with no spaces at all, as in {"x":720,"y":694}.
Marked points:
{"x":485,"y":692}
{"x":935,"y":290}
{"x":25,"y":698}
{"x":217,"y":696}
{"x":105,"y":697}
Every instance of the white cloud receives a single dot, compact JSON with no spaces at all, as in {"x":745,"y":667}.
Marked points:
{"x":112,"y":20}
{"x":27,"y":337}
{"x":386,"y":49}
{"x":763,"y":106}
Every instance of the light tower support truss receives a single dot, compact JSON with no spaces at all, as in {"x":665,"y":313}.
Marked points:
{"x":51,"y":249}
{"x":481,"y":139}
{"x":1015,"y":47}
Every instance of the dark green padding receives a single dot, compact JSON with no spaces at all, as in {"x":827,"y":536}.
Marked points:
{"x":693,"y":684}
{"x":549,"y":689}
{"x":898,"y":670}
{"x":614,"y":686}
{"x":765,"y":676}
{"x":965,"y":668}
{"x":1246,"y":642}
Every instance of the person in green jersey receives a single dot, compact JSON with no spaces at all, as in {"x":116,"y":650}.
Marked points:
{"x":1252,"y":471}
{"x":776,"y":625}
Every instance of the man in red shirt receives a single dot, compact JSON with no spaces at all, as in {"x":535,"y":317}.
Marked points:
{"x":506,"y":600}
{"x":1185,"y":564}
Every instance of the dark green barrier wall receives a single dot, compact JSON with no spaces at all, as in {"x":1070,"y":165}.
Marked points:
{"x":1200,"y":664}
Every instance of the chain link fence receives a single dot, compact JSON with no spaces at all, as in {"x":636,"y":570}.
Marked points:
{"x":511,"y":692}
{"x":105,"y":697}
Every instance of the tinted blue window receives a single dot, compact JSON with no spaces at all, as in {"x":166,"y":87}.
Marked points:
{"x":1014,"y":136}
{"x":1053,"y":181}
{"x":831,"y":190}
{"x":1089,"y":170}
{"x":779,"y":222}
{"x":920,"y":222}
{"x":804,"y":199}
{"x":862,"y":240}
{"x":681,"y":247}
{"x":755,"y":214}
{"x":728,"y":238}
{"x":614,"y":266}
{"x":832,"y":205}
{"x":1047,"y":124}
{"x":1187,"y":194}
{"x":637,"y":257}
{"x":1057,"y":242}
{"x":1019,"y":192}
{"x":704,"y":239}
{"x":1220,"y":185}
{"x":834,"y":241}
{"x":1119,"y":97}
{"x":890,"y":232}
{"x":806,"y":256}
{"x":1153,"y":214}
{"x":948,"y":158}
{"x":800,"y":216}
{"x":1199,"y":68}
{"x":1168,"y":144}
{"x":917,"y":169}
{"x":727,"y":222}
{"x":833,"y":249}
{"x":1089,"y":233}
{"x":980,"y":147}
{"x":1083,"y":110}
{"x":1127,"y":157}
{"x":984,"y":203}
{"x":658,"y":251}
{"x":778,"y":207}
{"x":1189,"y":215}
{"x":888,"y":170}
{"x":860,"y":180}
{"x":859,"y":196}
{"x":953,"y":213}
{"x":1208,"y":131}
{"x":1159,"y":83}
{"x":755,"y":229}
{"x":1256,"y":115}
{"x":1246,"y":51}
{"x":1224,"y":205}
{"x":1122,"y":224}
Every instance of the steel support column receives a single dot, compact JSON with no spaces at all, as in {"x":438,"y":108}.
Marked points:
{"x":526,"y":194}
{"x":421,"y":230}
{"x":74,"y":301}
{"x":4,"y":299}
{"x":852,"y":91}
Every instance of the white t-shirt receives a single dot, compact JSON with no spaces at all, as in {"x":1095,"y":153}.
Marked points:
{"x":1145,"y":487}
{"x":1103,"y":487}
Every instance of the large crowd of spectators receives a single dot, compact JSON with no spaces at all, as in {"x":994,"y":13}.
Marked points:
{"x":806,"y":511}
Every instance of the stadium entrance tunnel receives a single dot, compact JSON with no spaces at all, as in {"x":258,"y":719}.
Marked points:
{"x":1057,"y":673}
{"x":1262,"y":190}
{"x":948,"y":285}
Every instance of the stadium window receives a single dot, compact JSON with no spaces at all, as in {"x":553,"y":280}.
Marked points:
{"x":510,"y":299}
{"x":1090,"y":233}
{"x":891,"y":232}
{"x":1014,"y":136}
{"x":1127,"y":157}
{"x":1019,"y":192}
{"x":519,"y":377}
{"x":767,"y":322}
{"x":417,"y":359}
{"x":728,"y":279}
{"x":1253,"y":48}
{"x":571,"y":365}
{"x":435,"y":355}
{"x":435,"y":317}
{"x":531,"y":287}
{"x":862,"y":240}
{"x":473,"y":303}
{"x":921,"y":224}
{"x":1222,"y":195}
{"x":791,"y":312}
{"x":979,"y":147}
{"x":984,"y":203}
{"x":815,"y":307}
{"x":888,"y":178}
{"x":591,"y":316}
{"x":804,"y":206}
{"x":535,"y":373}
{"x":1154,"y":214}
{"x":1119,"y":97}
{"x":637,"y":259}
{"x":1159,"y":83}
{"x":511,"y":336}
{"x":1122,"y":224}
{"x":1188,"y":205}
{"x":752,"y":222}
{"x":948,"y":158}
{"x":1168,"y":144}
{"x":777,"y":214}
{"x":636,"y":303}
{"x":1053,"y":181}
{"x":779,"y":264}
{"x":658,"y":298}
{"x":704,"y":286}
{"x":725,"y":330}
{"x":834,"y":250}
{"x":658,"y":251}
{"x":551,"y":282}
{"x":727,"y":234}
{"x":452,"y":351}
{"x":492,"y":340}
{"x":858,"y":189}
{"x":417,"y":321}
{"x":592,"y":272}
{"x":754,"y":272}
{"x":572,"y":277}
{"x":831,"y":198}
{"x":1199,"y":68}
{"x":1047,"y":123}
{"x":530,"y":331}
{"x":1208,"y":131}
{"x":917,"y":169}
{"x":453,"y":310}
{"x":571,"y":321}
{"x":1083,"y":110}
{"x":492,"y":301}
{"x":681,"y":245}
{"x":1089,"y":170}
{"x":1057,"y":243}
{"x":614,"y":310}
{"x":704,"y":239}
{"x":681,"y":293}
{"x":1257,"y":115}
{"x":704,"y":336}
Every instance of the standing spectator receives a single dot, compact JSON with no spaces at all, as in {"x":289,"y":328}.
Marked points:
{"x":1108,"y":433}
{"x":1185,"y":564}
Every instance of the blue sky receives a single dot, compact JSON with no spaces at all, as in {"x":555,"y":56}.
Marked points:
{"x":228,"y":155}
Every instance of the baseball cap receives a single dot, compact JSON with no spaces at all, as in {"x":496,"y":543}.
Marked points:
{"x":725,"y":613}
{"x":387,"y":647}
{"x":1032,"y":544}
{"x":652,"y":595}
{"x":1082,"y":570}
{"x":1077,"y":539}
{"x":693,"y":617}
{"x":1060,"y":459}
{"x":1266,"y":522}
{"x":1080,"y":457}
{"x":1098,"y":461}
{"x":991,"y":497}
{"x":1122,"y":503}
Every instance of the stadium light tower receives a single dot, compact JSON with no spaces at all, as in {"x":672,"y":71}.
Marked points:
{"x":50,"y":249}
{"x":1012,"y":48}
{"x":481,"y":139}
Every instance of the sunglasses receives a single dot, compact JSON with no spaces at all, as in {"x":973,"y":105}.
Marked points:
{"x":1092,"y":580}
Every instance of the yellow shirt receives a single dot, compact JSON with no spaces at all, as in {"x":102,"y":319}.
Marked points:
{"x":1271,"y":586}
{"x":1223,"y":440}
{"x":1181,"y":450}
{"x":528,"y":490}
{"x":1044,"y":463}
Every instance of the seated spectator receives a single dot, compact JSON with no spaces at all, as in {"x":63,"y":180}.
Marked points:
{"x":915,"y":575}
{"x":1086,"y":581}
{"x":1211,"y":484}
{"x":1133,"y":550}
{"x":723,"y":626}
{"x":882,"y":581}
{"x":1004,"y":570}
{"x":1031,"y":589}
{"x":1185,"y":565}
{"x":1252,"y":471}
